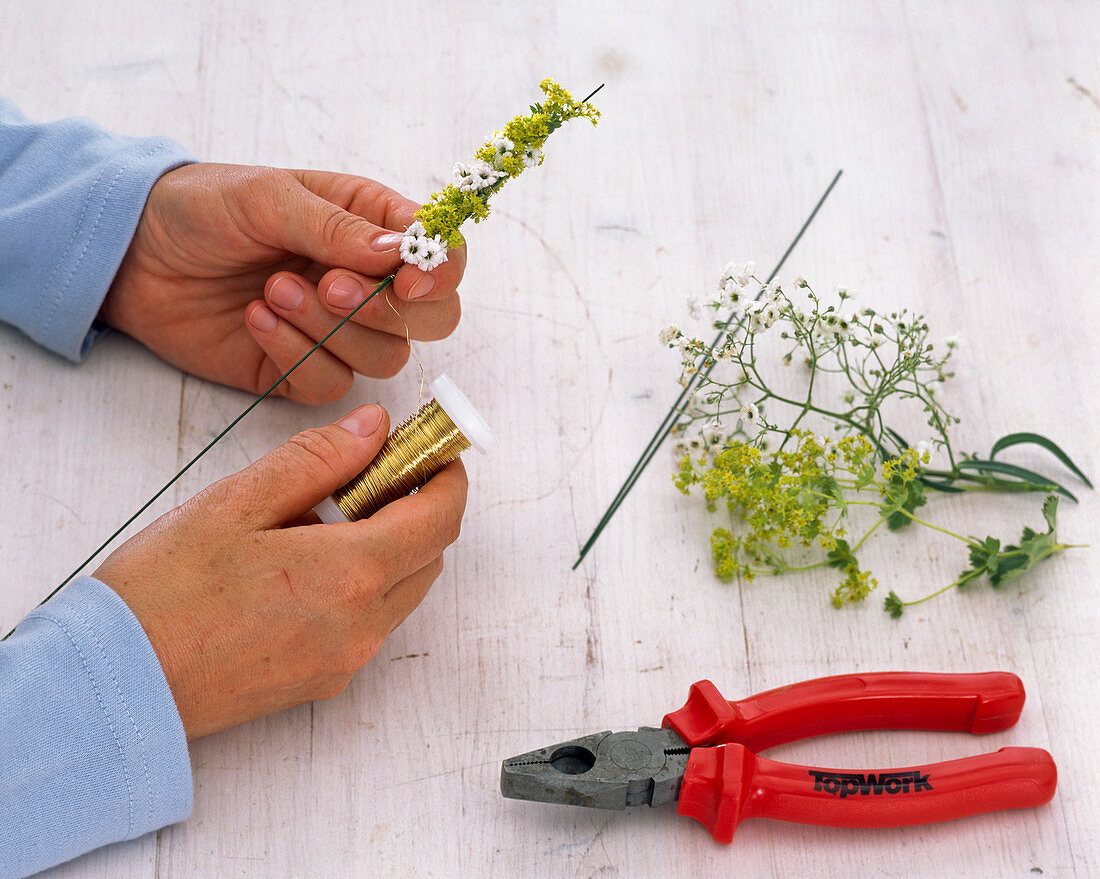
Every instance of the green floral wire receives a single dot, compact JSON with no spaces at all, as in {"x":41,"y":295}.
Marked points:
{"x":382,"y":286}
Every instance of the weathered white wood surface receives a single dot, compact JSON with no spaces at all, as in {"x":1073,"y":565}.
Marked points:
{"x":969,"y":135}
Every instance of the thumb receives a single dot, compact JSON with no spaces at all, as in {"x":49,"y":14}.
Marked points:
{"x":310,"y":225}
{"x":295,"y":477}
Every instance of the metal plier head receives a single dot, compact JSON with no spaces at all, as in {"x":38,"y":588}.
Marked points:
{"x":607,"y":770}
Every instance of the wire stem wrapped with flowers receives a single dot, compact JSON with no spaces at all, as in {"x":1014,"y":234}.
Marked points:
{"x":507,"y":154}
{"x":751,"y":439}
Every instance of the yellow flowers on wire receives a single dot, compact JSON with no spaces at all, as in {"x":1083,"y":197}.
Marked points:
{"x":507,"y":154}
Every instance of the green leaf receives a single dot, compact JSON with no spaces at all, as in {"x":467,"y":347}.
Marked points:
{"x":1050,"y":511}
{"x":894,"y":605}
{"x":1026,"y":477}
{"x":984,"y":558}
{"x":900,"y":496}
{"x":841,"y":556}
{"x":828,"y":486}
{"x":1015,"y":439}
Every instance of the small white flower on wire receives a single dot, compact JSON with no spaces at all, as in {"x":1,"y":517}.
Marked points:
{"x":421,"y":250}
{"x":502,"y":148}
{"x":749,"y":413}
{"x":477,"y":175}
{"x":532,"y":156}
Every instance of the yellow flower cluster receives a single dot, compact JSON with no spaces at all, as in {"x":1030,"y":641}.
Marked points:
{"x":506,"y":155}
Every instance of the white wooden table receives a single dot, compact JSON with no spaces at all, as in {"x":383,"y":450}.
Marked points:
{"x":970,"y":139}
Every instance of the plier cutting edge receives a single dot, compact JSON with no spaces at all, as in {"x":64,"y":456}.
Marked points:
{"x":704,"y":756}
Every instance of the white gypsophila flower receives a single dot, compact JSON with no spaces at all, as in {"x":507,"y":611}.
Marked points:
{"x":680,"y":448}
{"x":742,"y":274}
{"x":715,"y":434}
{"x":749,"y":413}
{"x":876,"y":339}
{"x":413,"y":243}
{"x":953,"y":341}
{"x":770,"y":293}
{"x":695,"y":308}
{"x":696,"y":404}
{"x":434,"y":252}
{"x":906,"y":352}
{"x":476,"y":175}
{"x":724,"y":354}
{"x":669,"y":335}
{"x":842,"y":329}
{"x":464,"y":177}
{"x":772,"y":312}
{"x":843,"y":292}
{"x":532,"y":156}
{"x":502,"y":147}
{"x":925,"y":450}
{"x":800,"y":281}
{"x":733,"y":295}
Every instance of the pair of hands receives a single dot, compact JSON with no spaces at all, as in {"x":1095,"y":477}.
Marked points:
{"x":250,"y":606}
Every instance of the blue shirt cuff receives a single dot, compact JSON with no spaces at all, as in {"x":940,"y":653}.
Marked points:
{"x":92,"y":748}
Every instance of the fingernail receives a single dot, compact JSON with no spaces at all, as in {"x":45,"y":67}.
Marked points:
{"x":286,"y":293}
{"x":345,"y":292}
{"x":363,"y":421}
{"x":263,"y":319}
{"x":386,"y":241}
{"x":422,"y":286}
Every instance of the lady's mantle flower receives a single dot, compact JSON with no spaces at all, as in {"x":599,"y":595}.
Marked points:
{"x":749,"y":413}
{"x":507,"y":154}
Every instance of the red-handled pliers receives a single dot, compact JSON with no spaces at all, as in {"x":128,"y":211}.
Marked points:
{"x":703,"y":756}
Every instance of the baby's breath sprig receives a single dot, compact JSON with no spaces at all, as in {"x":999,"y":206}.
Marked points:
{"x":507,"y":154}
{"x":744,"y":436}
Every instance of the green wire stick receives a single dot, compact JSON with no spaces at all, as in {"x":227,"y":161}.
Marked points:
{"x":670,"y":419}
{"x":382,"y":286}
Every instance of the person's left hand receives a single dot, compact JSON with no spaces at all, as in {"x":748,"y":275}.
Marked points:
{"x":213,"y":239}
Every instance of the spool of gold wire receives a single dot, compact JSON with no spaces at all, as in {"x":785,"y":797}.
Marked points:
{"x":423,"y":445}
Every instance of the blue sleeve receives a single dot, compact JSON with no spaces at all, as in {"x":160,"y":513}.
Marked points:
{"x":92,"y":749}
{"x":71,"y":196}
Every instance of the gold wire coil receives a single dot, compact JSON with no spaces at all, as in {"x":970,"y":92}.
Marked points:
{"x":422,"y":446}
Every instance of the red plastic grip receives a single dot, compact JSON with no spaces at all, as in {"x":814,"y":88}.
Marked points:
{"x":977,"y":703}
{"x":726,"y":784}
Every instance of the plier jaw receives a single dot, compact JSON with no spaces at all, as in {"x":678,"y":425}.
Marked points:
{"x":607,"y":770}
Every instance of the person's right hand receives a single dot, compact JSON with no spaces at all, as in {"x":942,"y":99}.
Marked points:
{"x":252,"y":610}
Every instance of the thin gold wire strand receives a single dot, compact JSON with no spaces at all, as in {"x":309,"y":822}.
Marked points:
{"x":422,"y":446}
{"x":412,"y":353}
